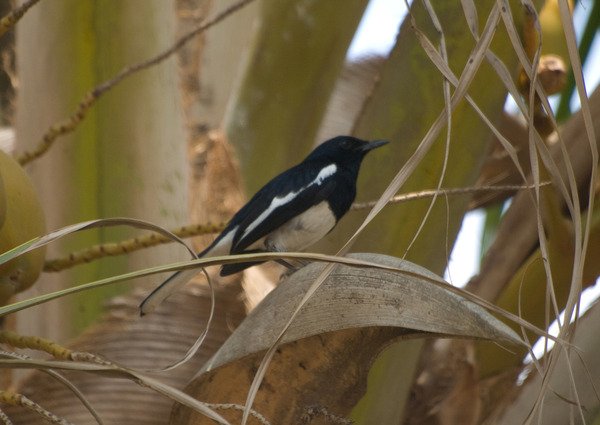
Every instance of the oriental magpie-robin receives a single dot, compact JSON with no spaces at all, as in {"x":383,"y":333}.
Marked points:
{"x":289,"y":213}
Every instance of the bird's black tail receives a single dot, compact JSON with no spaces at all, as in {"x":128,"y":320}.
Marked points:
{"x":180,"y":278}
{"x":175,"y":282}
{"x":172,"y":284}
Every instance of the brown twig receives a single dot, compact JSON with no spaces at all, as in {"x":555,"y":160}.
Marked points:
{"x":69,"y":124}
{"x":112,"y":249}
{"x":16,"y":399}
{"x":445,"y":192}
{"x":35,"y":343}
{"x":15,"y":16}
{"x":118,"y":248}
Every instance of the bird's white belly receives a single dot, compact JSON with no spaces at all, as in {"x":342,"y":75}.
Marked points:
{"x":303,"y":230}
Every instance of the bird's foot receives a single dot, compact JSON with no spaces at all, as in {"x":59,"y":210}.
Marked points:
{"x":291,"y":269}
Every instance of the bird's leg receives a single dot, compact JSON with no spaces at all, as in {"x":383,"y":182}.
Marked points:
{"x":288,"y":265}
{"x":291,"y":268}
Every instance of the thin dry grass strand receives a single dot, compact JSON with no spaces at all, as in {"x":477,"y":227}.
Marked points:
{"x":147,"y":226}
{"x":64,"y":381}
{"x":22,"y":305}
{"x":587,"y":117}
{"x":69,"y":124}
{"x":471,"y":15}
{"x":505,"y":76}
{"x":446,"y":90}
{"x":262,"y":369}
{"x":577,"y":400}
{"x":570,"y":197}
{"x":536,"y":148}
{"x":200,"y":340}
{"x":447,"y":237}
{"x":503,"y":73}
{"x":117,"y":371}
{"x":591,"y":381}
{"x":177,"y":395}
{"x":545,"y":384}
{"x":534,"y":138}
{"x":577,"y":281}
{"x":44,"y":240}
{"x":514,"y":37}
{"x":535,"y":360}
{"x":492,"y":58}
{"x":461,"y":88}
{"x":268,"y":256}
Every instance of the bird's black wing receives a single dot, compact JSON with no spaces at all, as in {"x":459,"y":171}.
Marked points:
{"x":283,"y":198}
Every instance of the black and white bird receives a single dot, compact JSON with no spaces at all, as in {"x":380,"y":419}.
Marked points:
{"x":291,"y":212}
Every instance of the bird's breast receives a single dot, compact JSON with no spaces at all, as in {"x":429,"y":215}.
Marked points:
{"x":303,"y":230}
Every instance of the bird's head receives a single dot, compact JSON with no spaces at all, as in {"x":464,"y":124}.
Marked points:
{"x":345,"y":150}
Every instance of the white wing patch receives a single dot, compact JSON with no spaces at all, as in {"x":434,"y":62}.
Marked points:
{"x":323,"y":174}
{"x":279,"y":201}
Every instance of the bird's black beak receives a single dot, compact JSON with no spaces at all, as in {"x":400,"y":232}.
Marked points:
{"x":374,"y":144}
